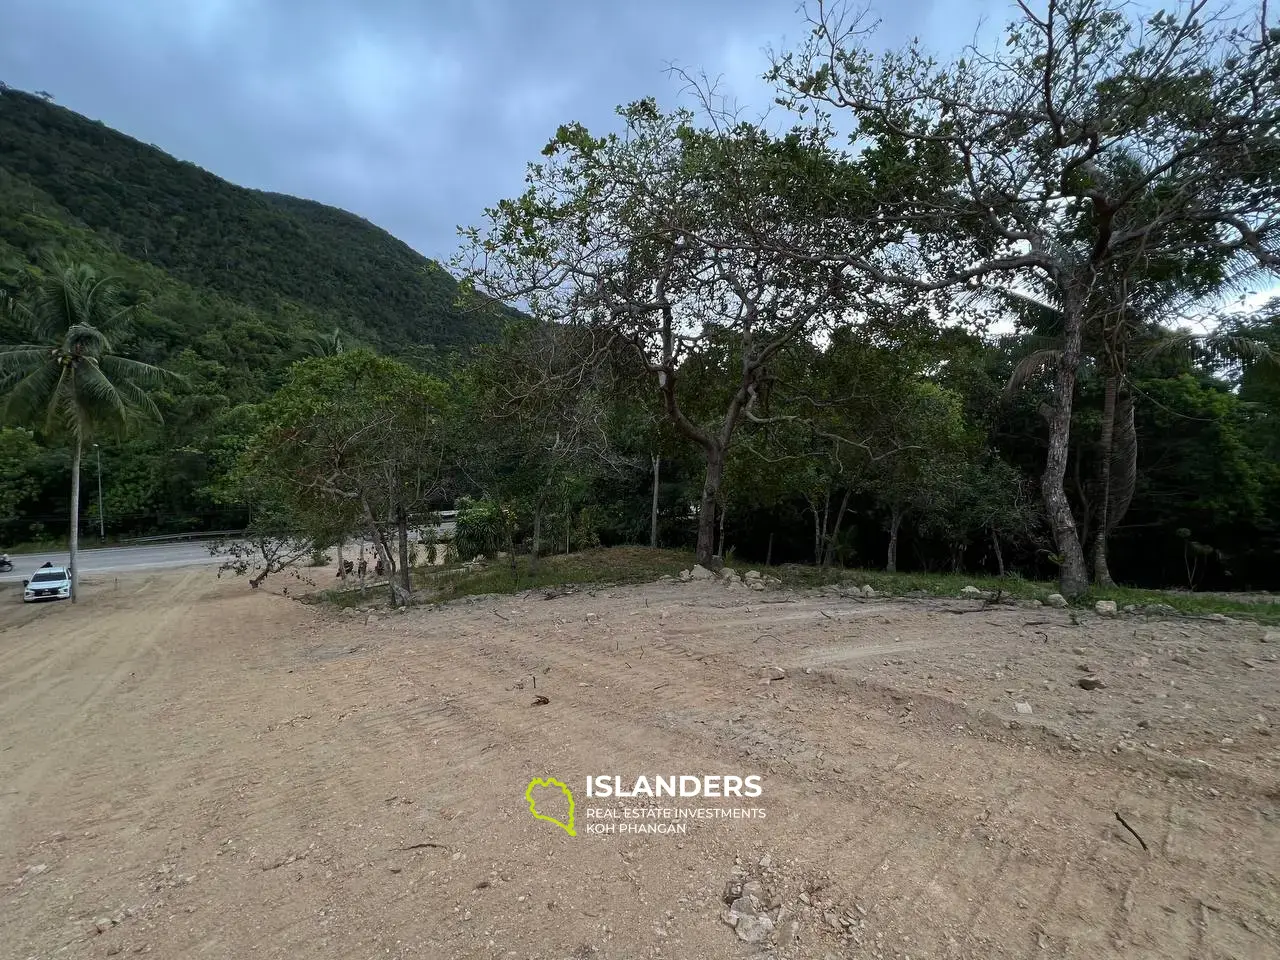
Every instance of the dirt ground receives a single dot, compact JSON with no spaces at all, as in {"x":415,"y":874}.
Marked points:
{"x":192,"y":769}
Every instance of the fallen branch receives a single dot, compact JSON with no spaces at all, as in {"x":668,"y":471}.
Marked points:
{"x":1133,"y":831}
{"x":424,"y":845}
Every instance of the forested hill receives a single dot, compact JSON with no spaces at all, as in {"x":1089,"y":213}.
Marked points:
{"x":256,"y":248}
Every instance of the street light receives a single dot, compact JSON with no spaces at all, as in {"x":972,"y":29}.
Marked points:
{"x":102,"y":525}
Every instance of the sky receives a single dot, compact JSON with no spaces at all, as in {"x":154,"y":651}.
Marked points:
{"x":415,"y":114}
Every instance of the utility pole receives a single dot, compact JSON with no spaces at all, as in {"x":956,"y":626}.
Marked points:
{"x":102,"y":523}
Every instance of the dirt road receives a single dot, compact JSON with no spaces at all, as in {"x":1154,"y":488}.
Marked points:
{"x":191,"y":769}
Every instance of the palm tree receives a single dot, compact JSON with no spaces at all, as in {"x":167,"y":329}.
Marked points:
{"x":67,"y":380}
{"x":324,"y":344}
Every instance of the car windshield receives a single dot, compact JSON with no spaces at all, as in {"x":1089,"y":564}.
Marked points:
{"x":49,"y":576}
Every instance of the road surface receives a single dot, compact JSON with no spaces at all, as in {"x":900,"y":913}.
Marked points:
{"x":157,"y":556}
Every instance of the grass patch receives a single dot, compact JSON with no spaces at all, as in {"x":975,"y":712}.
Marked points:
{"x":622,"y":565}
{"x":605,"y":566}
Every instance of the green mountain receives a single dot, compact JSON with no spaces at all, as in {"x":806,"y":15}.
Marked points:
{"x":258,"y":249}
{"x":237,"y":285}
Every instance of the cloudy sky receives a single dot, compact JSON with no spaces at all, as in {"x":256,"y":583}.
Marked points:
{"x":413,"y":113}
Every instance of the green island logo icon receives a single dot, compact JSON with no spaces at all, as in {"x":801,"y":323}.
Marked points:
{"x":533,"y":804}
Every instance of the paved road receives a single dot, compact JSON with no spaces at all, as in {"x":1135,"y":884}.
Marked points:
{"x":116,"y":559}
{"x":123,"y":559}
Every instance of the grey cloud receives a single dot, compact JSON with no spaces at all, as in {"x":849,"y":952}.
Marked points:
{"x":413,"y":113}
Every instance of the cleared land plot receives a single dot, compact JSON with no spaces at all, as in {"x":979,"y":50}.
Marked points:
{"x":201,"y":770}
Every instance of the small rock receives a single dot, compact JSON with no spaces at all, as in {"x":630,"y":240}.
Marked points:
{"x":684,"y":575}
{"x":114,"y":949}
{"x":699,"y":572}
{"x":1022,"y":707}
{"x":788,"y":934}
{"x":868,"y":591}
{"x":752,"y":574}
{"x":971,"y":591}
{"x":766,"y":862}
{"x":1105,"y":608}
{"x":1251,"y":663}
{"x":756,"y":584}
{"x":1034,"y":604}
{"x":1079,"y":651}
{"x":729,"y":573}
{"x":1130,"y":608}
{"x":1090,"y":683}
{"x":350,"y":612}
{"x":732,"y":891}
{"x":773,"y":673}
{"x":752,"y":929}
{"x":1056,"y":600}
{"x":1181,"y":658}
{"x":103,"y":924}
{"x":1270,"y":636}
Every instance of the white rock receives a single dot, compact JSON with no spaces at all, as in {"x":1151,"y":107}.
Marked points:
{"x":729,"y":573}
{"x":699,"y":572}
{"x":773,"y":673}
{"x":1106,"y":608}
{"x":971,"y":591}
{"x":1022,"y":707}
{"x":1056,"y":600}
{"x":752,"y":574}
{"x":756,"y":584}
{"x":684,"y":575}
{"x":753,"y":929}
{"x":1270,"y":636}
{"x":868,"y":591}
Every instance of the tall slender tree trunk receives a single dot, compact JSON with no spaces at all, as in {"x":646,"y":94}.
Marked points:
{"x":341,"y":569}
{"x":722,"y":511}
{"x":707,"y":507}
{"x":995,"y":545}
{"x":1073,"y":574}
{"x":829,"y":553}
{"x":74,"y":541}
{"x":568,"y":527}
{"x":768,"y":553}
{"x":537,"y":539}
{"x":1101,"y":574}
{"x":895,"y":522}
{"x":653,"y":511}
{"x":402,"y":530}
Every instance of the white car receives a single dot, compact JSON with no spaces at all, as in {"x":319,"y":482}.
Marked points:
{"x":47,"y":583}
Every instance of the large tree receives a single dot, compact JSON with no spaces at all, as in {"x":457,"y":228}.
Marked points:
{"x":653,"y":242}
{"x":355,"y":436}
{"x":67,"y":380}
{"x":1158,"y":138}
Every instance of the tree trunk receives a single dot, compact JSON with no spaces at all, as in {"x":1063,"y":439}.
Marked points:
{"x":817,"y":534}
{"x":995,"y":544}
{"x":653,"y":512}
{"x":830,"y":552}
{"x":568,"y":527}
{"x":768,"y":553}
{"x":720,"y":552}
{"x":74,"y":540}
{"x":707,"y":508}
{"x":1101,"y":575}
{"x":895,"y":522}
{"x":402,"y":530}
{"x":537,"y":539}
{"x":342,"y":573}
{"x":1073,"y":574}
{"x":380,"y":548}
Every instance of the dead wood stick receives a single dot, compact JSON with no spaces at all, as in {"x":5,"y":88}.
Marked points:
{"x":1133,"y":831}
